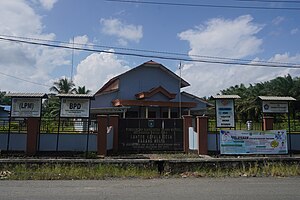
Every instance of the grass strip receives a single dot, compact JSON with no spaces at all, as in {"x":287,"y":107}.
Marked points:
{"x":99,"y":172}
{"x":72,"y":172}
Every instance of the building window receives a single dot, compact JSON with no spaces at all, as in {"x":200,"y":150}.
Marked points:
{"x":174,"y":114}
{"x":132,"y":114}
{"x":152,"y":114}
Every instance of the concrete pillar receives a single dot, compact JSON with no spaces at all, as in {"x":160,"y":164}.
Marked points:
{"x":33,"y":130}
{"x":268,"y":123}
{"x":102,"y":135}
{"x":202,"y":130}
{"x":114,"y":122}
{"x":169,"y":113}
{"x":187,"y":122}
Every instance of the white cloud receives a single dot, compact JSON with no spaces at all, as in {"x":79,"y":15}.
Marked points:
{"x":97,"y":69}
{"x":294,"y":31}
{"x":232,"y":39}
{"x":48,"y":4}
{"x":29,"y":62}
{"x":224,"y":38}
{"x":124,"y":32}
{"x":81,"y":41}
{"x":278,"y":20}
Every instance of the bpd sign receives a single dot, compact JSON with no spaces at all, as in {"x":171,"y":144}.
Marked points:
{"x":73,"y":107}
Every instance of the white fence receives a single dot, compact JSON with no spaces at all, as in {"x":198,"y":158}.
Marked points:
{"x":48,"y":142}
{"x":78,"y":142}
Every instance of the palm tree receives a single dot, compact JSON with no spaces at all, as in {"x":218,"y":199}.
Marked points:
{"x":63,"y":86}
{"x":82,"y":90}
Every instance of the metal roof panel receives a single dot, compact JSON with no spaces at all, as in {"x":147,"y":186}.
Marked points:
{"x":226,"y":97}
{"x":27,"y":95}
{"x":276,"y":98}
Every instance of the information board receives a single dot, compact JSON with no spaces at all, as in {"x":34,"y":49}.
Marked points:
{"x":275,"y":107}
{"x":225,"y":113}
{"x":253,"y":142}
{"x":74,"y":107}
{"x":26,"y":107}
{"x":147,"y":135}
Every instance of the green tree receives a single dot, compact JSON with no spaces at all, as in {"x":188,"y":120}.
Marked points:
{"x":82,"y":90}
{"x":63,"y":86}
{"x":3,"y":99}
{"x":248,"y":107}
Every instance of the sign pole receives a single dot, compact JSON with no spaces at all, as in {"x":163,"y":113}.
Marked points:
{"x":9,"y":129}
{"x":289,"y":127}
{"x":217,"y":145}
{"x":57,"y":137}
{"x":88,"y":133}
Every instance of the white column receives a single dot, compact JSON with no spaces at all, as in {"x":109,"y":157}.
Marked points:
{"x":169,"y":112}
{"x":146,"y":112}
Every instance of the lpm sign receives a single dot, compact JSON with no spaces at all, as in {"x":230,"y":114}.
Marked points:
{"x":74,"y":107}
{"x":26,"y":107}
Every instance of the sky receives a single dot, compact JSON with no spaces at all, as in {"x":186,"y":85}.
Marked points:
{"x":185,"y":34}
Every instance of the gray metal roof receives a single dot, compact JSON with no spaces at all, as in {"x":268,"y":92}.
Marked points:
{"x":226,"y":97}
{"x":89,"y":96}
{"x":276,"y":98}
{"x":197,"y":98}
{"x":27,"y":95}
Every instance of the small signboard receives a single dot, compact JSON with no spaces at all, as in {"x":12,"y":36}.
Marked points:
{"x":253,"y":142}
{"x":75,"y":107}
{"x":275,"y":107}
{"x":26,"y":107}
{"x":225,"y":113}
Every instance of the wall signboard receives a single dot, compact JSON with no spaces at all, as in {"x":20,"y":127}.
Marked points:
{"x":253,"y":142}
{"x":75,"y":107}
{"x":225,"y":113}
{"x":26,"y":107}
{"x":275,"y":107}
{"x":144,"y":135}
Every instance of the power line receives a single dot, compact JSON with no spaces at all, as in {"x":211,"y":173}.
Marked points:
{"x":270,"y":1}
{"x":253,"y":64}
{"x":205,"y":5}
{"x":21,"y":79}
{"x":148,"y":51}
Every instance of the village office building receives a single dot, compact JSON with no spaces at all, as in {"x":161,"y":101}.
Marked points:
{"x":147,"y":91}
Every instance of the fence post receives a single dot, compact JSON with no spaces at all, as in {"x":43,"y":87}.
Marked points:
{"x":32,"y":134}
{"x":114,"y":122}
{"x":187,"y":122}
{"x":102,"y":135}
{"x":202,"y":130}
{"x":268,"y":123}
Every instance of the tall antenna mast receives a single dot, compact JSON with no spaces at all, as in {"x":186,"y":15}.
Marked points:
{"x":72,"y":60}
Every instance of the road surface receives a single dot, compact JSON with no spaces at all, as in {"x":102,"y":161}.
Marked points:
{"x":161,"y":189}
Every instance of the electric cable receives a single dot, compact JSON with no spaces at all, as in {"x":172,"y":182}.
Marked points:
{"x":204,"y":5}
{"x":253,"y":64}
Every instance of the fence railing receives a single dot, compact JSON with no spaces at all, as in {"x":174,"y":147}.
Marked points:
{"x":50,"y":126}
{"x":279,"y":124}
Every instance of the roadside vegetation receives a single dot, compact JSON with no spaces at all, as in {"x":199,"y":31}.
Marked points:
{"x":100,"y":172}
{"x":249,"y":107}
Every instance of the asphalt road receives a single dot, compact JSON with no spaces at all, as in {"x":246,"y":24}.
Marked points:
{"x":162,"y":189}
